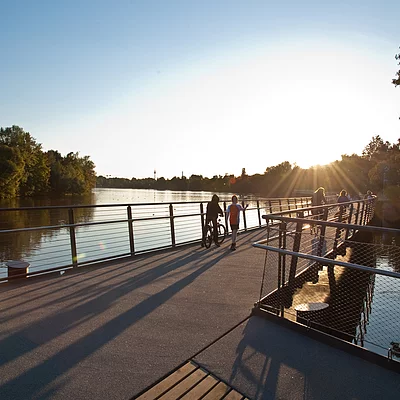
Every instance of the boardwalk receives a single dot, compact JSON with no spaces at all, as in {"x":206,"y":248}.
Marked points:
{"x":110,"y":331}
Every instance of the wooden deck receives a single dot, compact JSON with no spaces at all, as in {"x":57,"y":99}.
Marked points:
{"x":191,"y":382}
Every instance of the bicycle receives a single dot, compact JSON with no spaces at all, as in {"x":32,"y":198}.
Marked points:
{"x":210,"y":233}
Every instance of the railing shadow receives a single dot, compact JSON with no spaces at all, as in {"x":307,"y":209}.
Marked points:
{"x":60,"y":323}
{"x":273,"y":362}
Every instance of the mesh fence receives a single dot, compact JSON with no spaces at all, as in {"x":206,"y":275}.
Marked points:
{"x":339,"y":278}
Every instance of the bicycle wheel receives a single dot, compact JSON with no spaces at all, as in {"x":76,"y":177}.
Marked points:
{"x":209,"y":237}
{"x":221,"y":233}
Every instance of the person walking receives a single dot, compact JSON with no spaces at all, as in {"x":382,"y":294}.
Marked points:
{"x":213,"y":210}
{"x":318,"y":199}
{"x":233,"y":215}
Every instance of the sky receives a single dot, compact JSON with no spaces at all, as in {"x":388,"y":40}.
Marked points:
{"x":200,"y":87}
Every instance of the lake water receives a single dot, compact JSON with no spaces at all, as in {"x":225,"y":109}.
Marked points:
{"x":116,"y":196}
{"x":51,"y":246}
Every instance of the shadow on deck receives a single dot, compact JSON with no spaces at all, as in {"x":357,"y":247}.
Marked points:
{"x":111,"y":331}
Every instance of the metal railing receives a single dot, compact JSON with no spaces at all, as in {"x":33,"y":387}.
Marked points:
{"x":59,"y":237}
{"x":336,"y":277}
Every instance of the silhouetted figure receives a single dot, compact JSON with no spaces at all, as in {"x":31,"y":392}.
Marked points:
{"x":213,"y":210}
{"x":318,"y":199}
{"x":343,"y":198}
{"x":233,"y":212}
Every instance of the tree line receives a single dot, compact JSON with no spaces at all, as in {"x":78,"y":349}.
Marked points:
{"x":26,"y":170}
{"x":376,"y":169}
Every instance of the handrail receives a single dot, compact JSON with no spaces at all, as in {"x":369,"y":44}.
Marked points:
{"x":137,"y":204}
{"x":56,"y":240}
{"x":324,"y":260}
{"x":328,"y":206}
{"x":333,"y":224}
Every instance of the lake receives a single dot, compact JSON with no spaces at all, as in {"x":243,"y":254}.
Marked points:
{"x":99,"y":236}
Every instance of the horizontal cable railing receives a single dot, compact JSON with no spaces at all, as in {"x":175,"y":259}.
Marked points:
{"x":59,"y":237}
{"x":342,"y":279}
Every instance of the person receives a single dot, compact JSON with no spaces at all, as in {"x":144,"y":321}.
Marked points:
{"x":343,"y":198}
{"x":369,"y":195}
{"x":213,"y":210}
{"x":318,"y":199}
{"x":233,"y":215}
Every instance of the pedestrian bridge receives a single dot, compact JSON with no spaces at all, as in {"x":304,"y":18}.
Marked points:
{"x":121,"y":327}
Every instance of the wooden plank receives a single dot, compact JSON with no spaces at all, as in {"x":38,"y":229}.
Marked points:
{"x":218,"y":392}
{"x":182,"y":387}
{"x":201,"y":389}
{"x":233,"y":395}
{"x":168,"y":382}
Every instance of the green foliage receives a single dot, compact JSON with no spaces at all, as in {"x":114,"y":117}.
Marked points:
{"x":376,"y":149}
{"x":27,"y":171}
{"x":11,"y":171}
{"x":70,"y":174}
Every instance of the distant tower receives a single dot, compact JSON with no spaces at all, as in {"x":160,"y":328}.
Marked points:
{"x":155,"y":175}
{"x":182,"y":174}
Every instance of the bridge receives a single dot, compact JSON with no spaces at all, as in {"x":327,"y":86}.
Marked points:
{"x":170,"y":324}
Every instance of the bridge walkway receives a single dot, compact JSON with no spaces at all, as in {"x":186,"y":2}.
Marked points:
{"x":112,"y":330}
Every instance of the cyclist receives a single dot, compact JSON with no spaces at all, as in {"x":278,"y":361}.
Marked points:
{"x":233,"y":212}
{"x":213,"y":209}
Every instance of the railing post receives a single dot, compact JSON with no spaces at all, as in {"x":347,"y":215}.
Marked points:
{"x":281,"y":263}
{"x":270,"y":206}
{"x":351,"y":209}
{"x":172,"y":224}
{"x":362,"y":214}
{"x":280,"y":205}
{"x":323,"y":230}
{"x":283,"y":273}
{"x":337,"y":236}
{"x":293,"y":263}
{"x":259,"y":215}
{"x":357,"y":213}
{"x":288,"y":204}
{"x":226,"y":218}
{"x":72,"y":237}
{"x":202,"y":219}
{"x":130,"y":230}
{"x":244,"y":217}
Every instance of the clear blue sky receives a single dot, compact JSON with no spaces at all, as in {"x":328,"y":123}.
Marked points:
{"x":166,"y":85}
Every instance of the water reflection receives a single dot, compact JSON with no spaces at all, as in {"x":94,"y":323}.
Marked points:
{"x":19,"y":245}
{"x":46,"y":247}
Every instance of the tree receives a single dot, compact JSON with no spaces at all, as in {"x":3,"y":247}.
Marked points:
{"x":396,"y":81}
{"x":36,"y":172}
{"x":376,"y":149}
{"x":70,"y":174}
{"x":11,"y":171}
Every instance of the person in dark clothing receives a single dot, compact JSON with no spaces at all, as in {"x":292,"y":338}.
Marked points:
{"x":343,"y":198}
{"x":213,"y":210}
{"x":318,"y":199}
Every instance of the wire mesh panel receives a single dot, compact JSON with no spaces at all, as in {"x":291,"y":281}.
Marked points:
{"x":341,"y":279}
